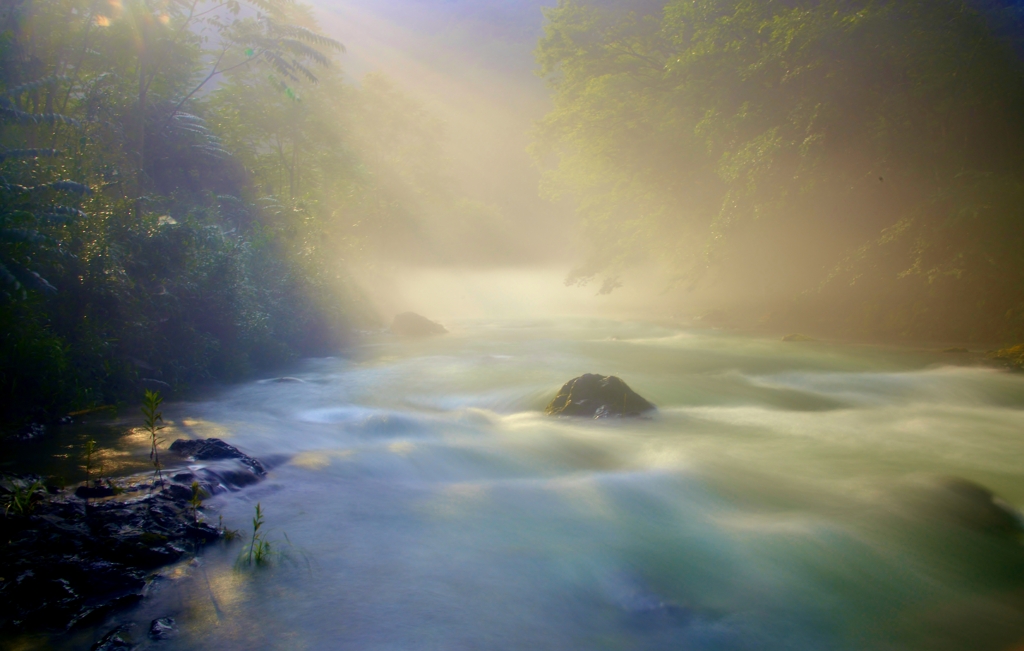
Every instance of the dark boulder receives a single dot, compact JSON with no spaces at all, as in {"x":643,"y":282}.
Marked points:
{"x":410,"y":324}
{"x":597,"y":396}
{"x":226,"y":469}
{"x":967,"y":504}
{"x":215,"y":450}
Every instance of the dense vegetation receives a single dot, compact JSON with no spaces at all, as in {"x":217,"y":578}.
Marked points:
{"x":182,"y":183}
{"x":851,"y":166}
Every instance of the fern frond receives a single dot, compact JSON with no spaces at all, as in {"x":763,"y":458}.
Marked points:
{"x":15,"y":216}
{"x":22,"y":235}
{"x":22,"y":117}
{"x":7,"y":277}
{"x":63,"y":214}
{"x":63,"y":186}
{"x":13,"y":188}
{"x":301,"y":49}
{"x":271,"y":6}
{"x":306,"y":72}
{"x":216,"y":152}
{"x":309,"y":36}
{"x":280,"y":64}
{"x":181,"y":116}
{"x":27,"y":153}
{"x":202,"y":131}
{"x":55,"y":118}
{"x":34,"y":85}
{"x":32,"y":280}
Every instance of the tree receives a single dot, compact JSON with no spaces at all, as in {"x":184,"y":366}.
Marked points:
{"x":798,"y":149}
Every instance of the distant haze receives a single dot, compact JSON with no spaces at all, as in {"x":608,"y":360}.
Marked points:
{"x":471,"y":64}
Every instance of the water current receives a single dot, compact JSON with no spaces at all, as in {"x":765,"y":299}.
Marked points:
{"x":801,"y":496}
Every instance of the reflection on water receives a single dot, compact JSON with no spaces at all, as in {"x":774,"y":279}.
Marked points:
{"x":785,"y":496}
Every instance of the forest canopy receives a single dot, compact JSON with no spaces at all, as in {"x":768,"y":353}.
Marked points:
{"x":183,"y":184}
{"x":853,"y":166}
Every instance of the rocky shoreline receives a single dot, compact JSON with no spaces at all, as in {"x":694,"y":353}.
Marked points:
{"x":72,"y":557}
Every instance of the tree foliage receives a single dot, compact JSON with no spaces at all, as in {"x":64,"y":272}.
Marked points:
{"x":180,"y":190}
{"x":854,"y":163}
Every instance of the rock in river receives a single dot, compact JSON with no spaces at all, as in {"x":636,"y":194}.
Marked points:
{"x":163,"y":629}
{"x":597,"y":396}
{"x":231,"y":468}
{"x":410,"y":324}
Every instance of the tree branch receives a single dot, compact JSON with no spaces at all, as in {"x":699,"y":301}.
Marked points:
{"x":213,"y":73}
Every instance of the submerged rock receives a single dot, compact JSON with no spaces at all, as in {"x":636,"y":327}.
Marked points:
{"x":163,"y":629}
{"x":967,"y":504}
{"x":597,"y":396}
{"x":119,"y":639}
{"x":410,"y":324}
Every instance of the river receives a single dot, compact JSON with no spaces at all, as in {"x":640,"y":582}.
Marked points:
{"x":785,"y":496}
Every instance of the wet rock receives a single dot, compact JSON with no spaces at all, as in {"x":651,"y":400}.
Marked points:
{"x":797,"y":337}
{"x":216,"y":480}
{"x":70,"y":562}
{"x":90,"y":492}
{"x":164,"y":628}
{"x":971,"y":505}
{"x":73,"y":565}
{"x":177,"y":492}
{"x":119,"y":639}
{"x":287,"y":380}
{"x":410,"y":324}
{"x":597,"y":396}
{"x":213,"y":450}
{"x":642,"y":606}
{"x":29,"y":432}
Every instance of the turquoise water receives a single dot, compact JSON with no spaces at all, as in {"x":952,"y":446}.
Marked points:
{"x":785,"y":496}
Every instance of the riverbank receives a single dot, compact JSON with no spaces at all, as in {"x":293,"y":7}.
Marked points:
{"x":75,"y":556}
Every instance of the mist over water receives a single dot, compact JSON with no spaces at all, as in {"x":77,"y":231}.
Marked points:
{"x":513,"y":292}
{"x":784,"y":496}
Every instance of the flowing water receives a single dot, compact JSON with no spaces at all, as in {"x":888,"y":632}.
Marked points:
{"x":785,"y":496}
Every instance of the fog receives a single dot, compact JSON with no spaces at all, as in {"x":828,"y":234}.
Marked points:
{"x":525,"y":291}
{"x":471,"y":65}
{"x":598,"y":156}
